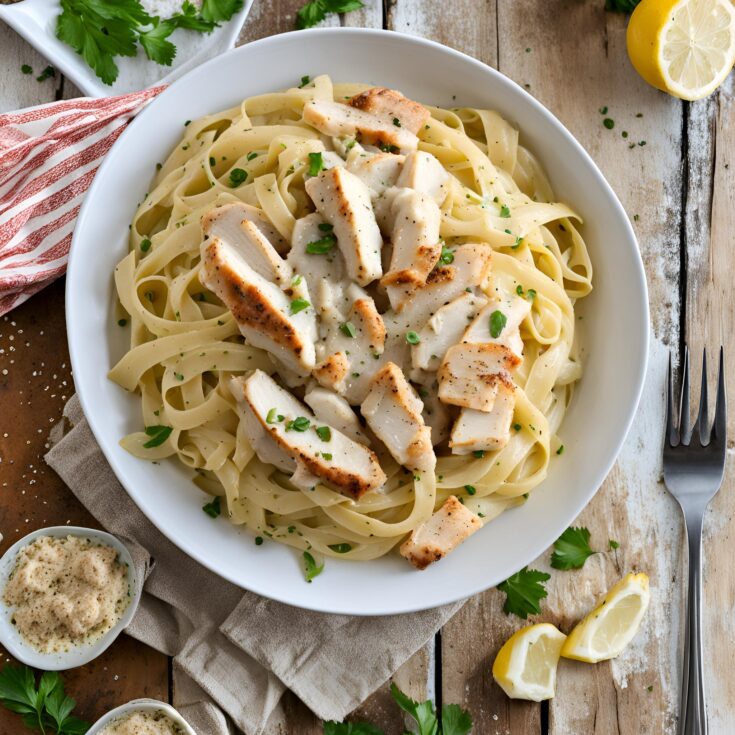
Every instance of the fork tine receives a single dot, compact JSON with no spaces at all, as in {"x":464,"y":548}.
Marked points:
{"x":702,"y":425}
{"x":684,"y":423}
{"x":670,"y":429}
{"x":720,"y":427}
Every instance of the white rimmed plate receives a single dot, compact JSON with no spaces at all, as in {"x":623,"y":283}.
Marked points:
{"x":141,"y":705}
{"x":614,"y":332}
{"x":80,"y":654}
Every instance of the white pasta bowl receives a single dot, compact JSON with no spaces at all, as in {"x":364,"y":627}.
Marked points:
{"x":613,"y":332}
{"x":82,"y":653}
{"x":141,"y":705}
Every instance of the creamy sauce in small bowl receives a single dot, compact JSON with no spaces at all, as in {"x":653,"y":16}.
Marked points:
{"x":142,"y":717}
{"x":66,"y":593}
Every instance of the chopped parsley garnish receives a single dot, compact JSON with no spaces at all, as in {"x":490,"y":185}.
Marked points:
{"x":304,"y":81}
{"x":47,"y":73}
{"x":324,"y":433}
{"x":26,"y":69}
{"x":237,"y":177}
{"x":213,"y":509}
{"x":412,"y":338}
{"x":471,"y":489}
{"x":296,"y":280}
{"x":560,"y":450}
{"x":517,"y":427}
{"x":325,"y":227}
{"x":273,"y":417}
{"x":252,"y":155}
{"x":145,"y":244}
{"x":298,"y":305}
{"x":572,"y":549}
{"x":531,"y":294}
{"x":348,"y":329}
{"x":316,"y":164}
{"x":388,"y":148}
{"x":311,"y":569}
{"x":327,"y":456}
{"x":341,"y":548}
{"x":447,"y":256}
{"x":609,"y":123}
{"x":517,"y":243}
{"x":300,"y":423}
{"x":258,"y":540}
{"x":179,"y":376}
{"x":524,"y":591}
{"x":505,"y":211}
{"x":396,"y":122}
{"x":321,"y":246}
{"x":478,"y":453}
{"x":603,"y":110}
{"x":157,"y":434}
{"x":498,"y":320}
{"x":122,"y":322}
{"x":613,"y":544}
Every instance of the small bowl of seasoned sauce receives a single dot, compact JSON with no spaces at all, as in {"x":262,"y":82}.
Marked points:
{"x":66,"y":593}
{"x":142,"y":717}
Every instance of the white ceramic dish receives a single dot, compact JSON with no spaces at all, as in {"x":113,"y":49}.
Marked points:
{"x":614,"y":331}
{"x":35,"y":20}
{"x":79,"y":655}
{"x":141,"y":705}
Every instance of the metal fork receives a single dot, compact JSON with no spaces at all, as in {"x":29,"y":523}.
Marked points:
{"x":694,"y":464}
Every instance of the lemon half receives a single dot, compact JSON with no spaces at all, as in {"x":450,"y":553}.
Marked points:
{"x":525,"y":667}
{"x":684,"y":47}
{"x":608,"y":629}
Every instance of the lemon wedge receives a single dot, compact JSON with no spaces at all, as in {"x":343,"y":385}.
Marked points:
{"x":684,"y":47}
{"x":610,"y":627}
{"x":525,"y":667}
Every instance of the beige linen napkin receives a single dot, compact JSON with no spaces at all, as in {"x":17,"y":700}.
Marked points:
{"x":239,"y":651}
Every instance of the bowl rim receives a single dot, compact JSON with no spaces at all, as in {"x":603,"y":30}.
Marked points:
{"x":143,"y":704}
{"x":82,"y":653}
{"x":641,"y":336}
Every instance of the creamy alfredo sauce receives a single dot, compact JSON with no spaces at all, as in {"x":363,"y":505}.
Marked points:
{"x":143,"y":723}
{"x":65,"y":591}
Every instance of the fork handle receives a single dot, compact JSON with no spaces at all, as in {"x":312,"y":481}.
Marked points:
{"x":693,"y":718}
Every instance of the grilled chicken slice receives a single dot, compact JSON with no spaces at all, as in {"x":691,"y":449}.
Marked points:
{"x":348,"y":467}
{"x":335,"y":411}
{"x":437,"y":416}
{"x":338,"y":120}
{"x":332,"y":371}
{"x":378,"y":171}
{"x":261,"y":309}
{"x":393,"y":411}
{"x":469,"y":270}
{"x":514,"y":310}
{"x":344,"y":201}
{"x":447,"y":528}
{"x":403,"y":113}
{"x":444,"y":329}
{"x":234,"y":224}
{"x":477,"y":430}
{"x":425,"y":174}
{"x":415,"y":238}
{"x":471,"y":375}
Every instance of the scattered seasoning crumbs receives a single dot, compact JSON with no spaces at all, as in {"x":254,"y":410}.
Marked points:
{"x":624,"y":133}
{"x":641,"y":142}
{"x":447,"y":255}
{"x":187,"y":123}
{"x":321,"y":246}
{"x":213,"y":509}
{"x":517,"y":427}
{"x":396,"y":122}
{"x":609,"y":123}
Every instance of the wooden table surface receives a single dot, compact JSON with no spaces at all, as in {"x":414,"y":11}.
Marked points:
{"x":670,"y":164}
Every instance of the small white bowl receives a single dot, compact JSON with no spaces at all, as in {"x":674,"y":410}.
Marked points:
{"x":141,"y":705}
{"x":82,"y":653}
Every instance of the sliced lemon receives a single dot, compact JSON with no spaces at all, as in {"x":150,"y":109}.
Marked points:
{"x":525,"y":666}
{"x":684,"y":47}
{"x":610,"y":627}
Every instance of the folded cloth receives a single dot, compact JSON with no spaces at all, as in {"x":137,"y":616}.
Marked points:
{"x":233,"y":650}
{"x":48,"y":157}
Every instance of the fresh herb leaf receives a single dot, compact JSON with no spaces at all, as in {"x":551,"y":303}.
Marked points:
{"x":214,"y":508}
{"x":498,"y":320}
{"x":412,"y":338}
{"x":311,"y":568}
{"x":304,"y":81}
{"x":217,"y":11}
{"x":524,"y":591}
{"x":300,"y":423}
{"x":348,"y":328}
{"x":341,"y":548}
{"x":298,"y":305}
{"x":272,"y":416}
{"x":350,"y":728}
{"x":447,"y":255}
{"x":621,"y":6}
{"x":157,"y":434}
{"x":327,"y":456}
{"x":324,"y":433}
{"x":316,"y":11}
{"x":47,"y":73}
{"x":316,"y":164}
{"x":455,"y":720}
{"x":422,"y":712}
{"x":155,"y":42}
{"x":321,"y":246}
{"x":572,"y":549}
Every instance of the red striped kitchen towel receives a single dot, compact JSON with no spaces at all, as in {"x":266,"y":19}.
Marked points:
{"x":48,"y":157}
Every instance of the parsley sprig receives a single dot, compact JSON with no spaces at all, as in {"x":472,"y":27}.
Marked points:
{"x":315,"y":11}
{"x":524,"y":591}
{"x":572,"y":549}
{"x":44,"y":708}
{"x":101,"y":30}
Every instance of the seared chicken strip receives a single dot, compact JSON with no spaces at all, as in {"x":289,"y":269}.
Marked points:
{"x":344,"y":201}
{"x":393,"y":411}
{"x":415,"y":238}
{"x":447,"y":528}
{"x":263,"y":312}
{"x":378,"y":171}
{"x":505,"y":315}
{"x":471,"y":374}
{"x":444,"y":329}
{"x":480,"y":431}
{"x":402,"y":112}
{"x":318,"y":452}
{"x":425,"y":174}
{"x":335,"y":411}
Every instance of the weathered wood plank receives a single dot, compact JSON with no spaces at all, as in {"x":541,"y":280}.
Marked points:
{"x":710,"y":315}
